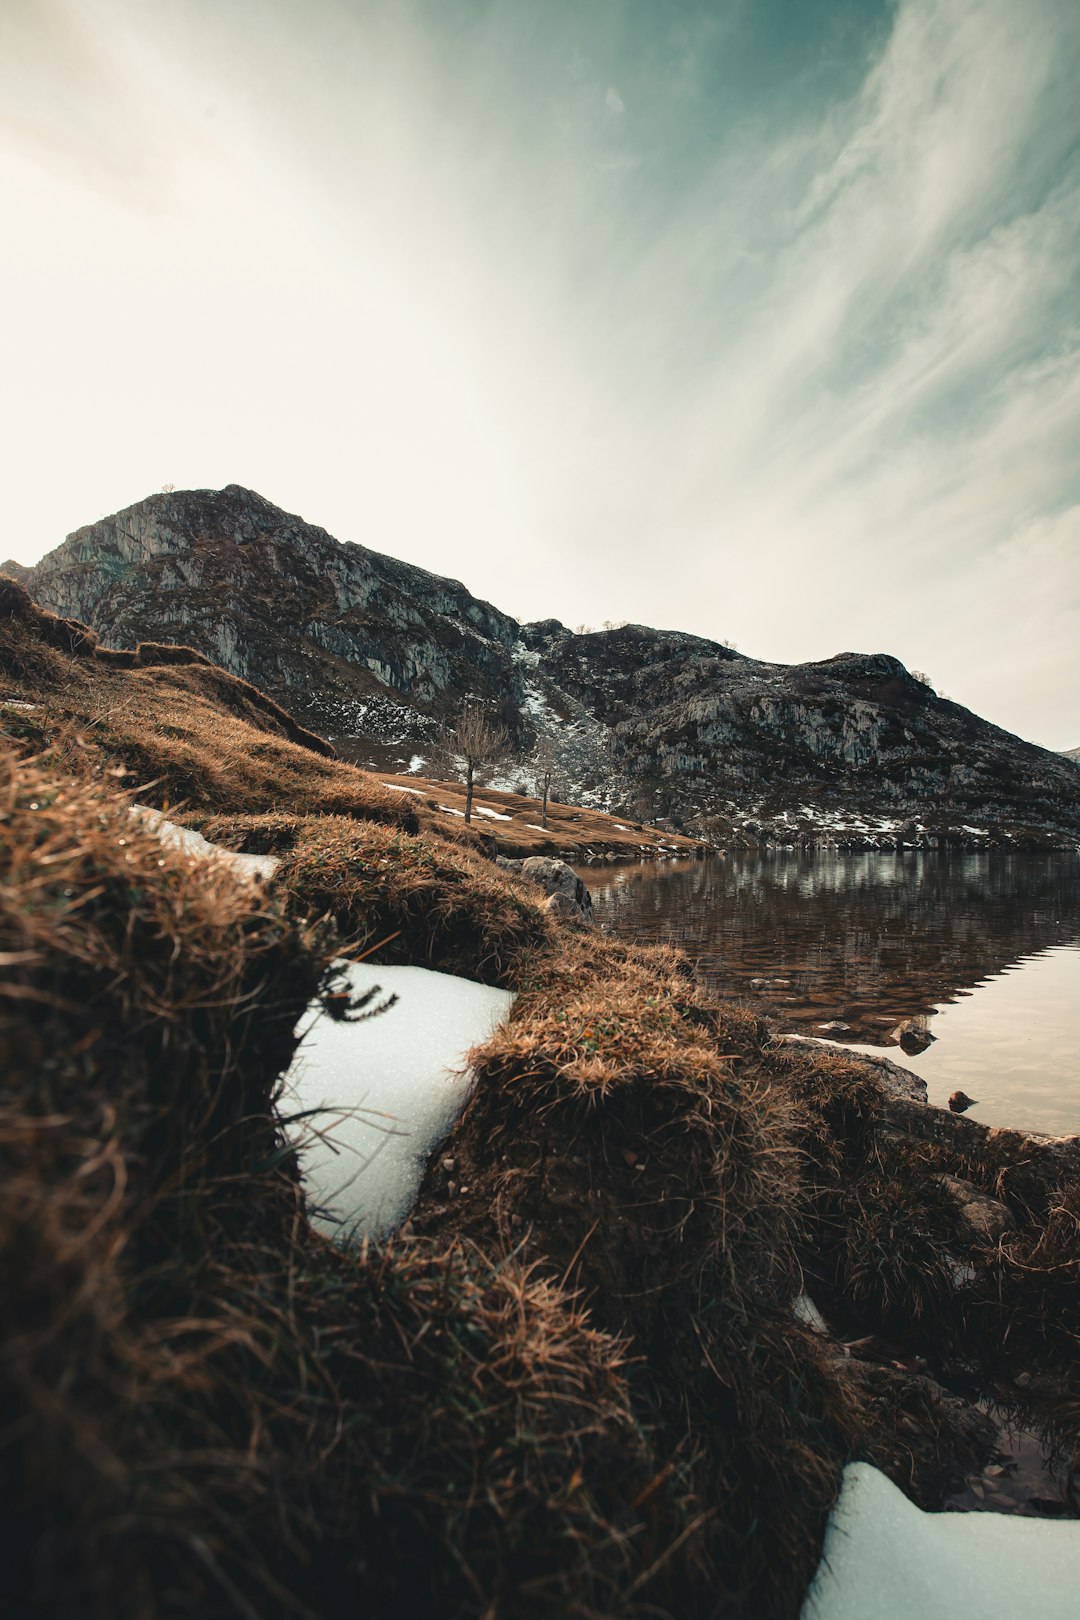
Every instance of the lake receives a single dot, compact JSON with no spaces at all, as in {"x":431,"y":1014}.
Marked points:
{"x":979,"y":951}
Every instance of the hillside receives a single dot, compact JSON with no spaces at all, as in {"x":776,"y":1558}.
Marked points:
{"x":656,"y":725}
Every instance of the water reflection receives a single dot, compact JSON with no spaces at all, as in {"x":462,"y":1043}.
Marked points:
{"x":871,"y":948}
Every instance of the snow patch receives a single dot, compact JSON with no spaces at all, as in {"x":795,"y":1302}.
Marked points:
{"x":496,"y":815}
{"x":386,"y":1090}
{"x":805,"y":1311}
{"x":524,"y":655}
{"x":193,"y":843}
{"x":884,"y":1559}
{"x":396,"y":787}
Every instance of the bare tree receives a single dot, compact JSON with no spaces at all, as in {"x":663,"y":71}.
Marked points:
{"x":545,"y":762}
{"x":479,"y":741}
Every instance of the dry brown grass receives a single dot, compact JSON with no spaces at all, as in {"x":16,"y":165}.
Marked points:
{"x":173,"y":728}
{"x":572,"y":830}
{"x":574,"y":1385}
{"x":433,"y":903}
{"x":144,"y":1016}
{"x":622,"y":1130}
{"x":203,"y":1405}
{"x":189,"y":734}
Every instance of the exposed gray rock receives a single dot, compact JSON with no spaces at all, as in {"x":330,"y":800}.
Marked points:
{"x":1037,"y":1164}
{"x":913,"y":1035}
{"x":567,"y":895}
{"x":656,"y":724}
{"x":894,"y":1082}
{"x":979,"y":1218}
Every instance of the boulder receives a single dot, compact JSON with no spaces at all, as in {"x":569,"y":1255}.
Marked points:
{"x":913,"y":1035}
{"x":568,"y":896}
{"x":979,"y":1218}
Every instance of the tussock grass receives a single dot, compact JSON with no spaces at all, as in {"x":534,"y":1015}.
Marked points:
{"x":573,"y":1385}
{"x":144,"y":1015}
{"x":623,"y":1130}
{"x":431,"y":902}
{"x":205,"y":1406}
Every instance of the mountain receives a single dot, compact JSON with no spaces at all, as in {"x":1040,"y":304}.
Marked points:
{"x":373,"y":653}
{"x":1073,"y":754}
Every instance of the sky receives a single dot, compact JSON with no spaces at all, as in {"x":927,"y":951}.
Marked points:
{"x":754,"y":318}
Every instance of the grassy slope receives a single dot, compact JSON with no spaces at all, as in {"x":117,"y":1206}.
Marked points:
{"x":572,"y":832}
{"x":573,"y":1385}
{"x":189,"y":736}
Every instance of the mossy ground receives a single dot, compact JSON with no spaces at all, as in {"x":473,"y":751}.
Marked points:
{"x":573,"y":1385}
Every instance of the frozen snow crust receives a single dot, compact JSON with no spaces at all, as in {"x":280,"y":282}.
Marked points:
{"x":884,"y":1560}
{"x":385,"y":1090}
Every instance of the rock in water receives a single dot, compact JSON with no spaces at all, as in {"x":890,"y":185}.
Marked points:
{"x":913,"y":1035}
{"x":960,"y":1102}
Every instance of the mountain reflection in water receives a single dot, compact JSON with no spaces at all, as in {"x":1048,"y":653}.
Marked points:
{"x":864,"y":942}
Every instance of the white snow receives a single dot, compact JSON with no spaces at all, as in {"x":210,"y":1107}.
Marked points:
{"x":496,"y":815}
{"x":193,"y":843}
{"x":450,"y":811}
{"x":396,"y":787}
{"x":536,"y":826}
{"x":535,"y":702}
{"x":884,"y":1559}
{"x":391,"y":1087}
{"x":805,"y":1311}
{"x":416,"y":763}
{"x":524,"y":655}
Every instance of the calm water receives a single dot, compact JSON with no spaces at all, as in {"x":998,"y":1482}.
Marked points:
{"x":984,"y":948}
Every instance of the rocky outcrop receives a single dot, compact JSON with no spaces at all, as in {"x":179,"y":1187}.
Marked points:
{"x":657,"y":725}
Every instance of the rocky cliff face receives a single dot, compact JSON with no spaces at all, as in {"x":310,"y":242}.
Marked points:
{"x":373,"y":652}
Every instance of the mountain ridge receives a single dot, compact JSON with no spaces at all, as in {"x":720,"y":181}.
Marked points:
{"x":375,"y":653}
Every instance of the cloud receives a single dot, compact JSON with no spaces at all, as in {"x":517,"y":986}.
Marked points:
{"x":897,"y":399}
{"x":798,"y":365}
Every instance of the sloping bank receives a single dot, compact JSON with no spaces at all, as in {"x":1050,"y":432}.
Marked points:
{"x":574,"y":1384}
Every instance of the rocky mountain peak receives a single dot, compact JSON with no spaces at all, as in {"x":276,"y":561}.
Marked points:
{"x":373,"y":652}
